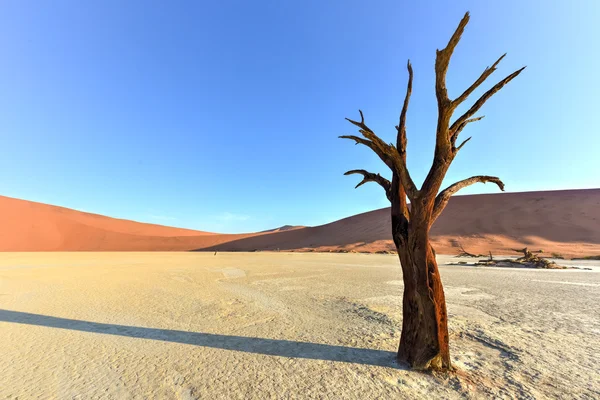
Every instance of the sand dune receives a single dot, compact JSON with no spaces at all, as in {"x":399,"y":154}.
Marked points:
{"x":566,"y":222}
{"x":31,"y":226}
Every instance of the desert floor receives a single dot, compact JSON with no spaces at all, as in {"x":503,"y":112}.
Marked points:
{"x":283,"y":325}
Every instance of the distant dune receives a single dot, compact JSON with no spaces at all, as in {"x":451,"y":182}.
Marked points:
{"x":30,"y":226}
{"x":566,"y":222}
{"x":284,"y":228}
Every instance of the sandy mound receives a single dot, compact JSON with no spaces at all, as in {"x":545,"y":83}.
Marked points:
{"x":565,"y":222}
{"x":30,"y":226}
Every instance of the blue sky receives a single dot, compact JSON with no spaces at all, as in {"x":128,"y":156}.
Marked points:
{"x":224,"y":115}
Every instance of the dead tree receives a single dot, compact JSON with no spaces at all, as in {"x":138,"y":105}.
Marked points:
{"x":527,"y":254}
{"x":424,"y":339}
{"x":536,"y":261}
{"x":464,"y":253}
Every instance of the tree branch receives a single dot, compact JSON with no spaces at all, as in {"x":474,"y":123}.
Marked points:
{"x":486,"y":73}
{"x":360,"y":124}
{"x":447,"y":132}
{"x":401,"y":128}
{"x":400,"y":211}
{"x":444,"y":196}
{"x":371,"y":177}
{"x":481,"y":101}
{"x":463,"y":143}
{"x":442,"y":61}
{"x":388,"y":154}
{"x":461,"y":127}
{"x":386,"y":160}
{"x":443,"y":153}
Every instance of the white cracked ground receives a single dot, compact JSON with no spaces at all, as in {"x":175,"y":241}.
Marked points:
{"x":283,"y":325}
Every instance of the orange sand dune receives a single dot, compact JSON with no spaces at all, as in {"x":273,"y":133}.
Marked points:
{"x":30,"y":226}
{"x":566,"y":222}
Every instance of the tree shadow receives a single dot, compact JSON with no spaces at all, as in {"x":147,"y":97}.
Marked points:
{"x":270,"y":347}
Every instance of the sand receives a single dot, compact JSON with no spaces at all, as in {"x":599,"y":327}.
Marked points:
{"x":283,"y":325}
{"x":565,"y":222}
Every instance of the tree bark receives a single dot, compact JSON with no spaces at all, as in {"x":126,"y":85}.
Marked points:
{"x":424,"y":339}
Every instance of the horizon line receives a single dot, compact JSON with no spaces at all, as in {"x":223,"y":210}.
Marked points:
{"x":266,"y":230}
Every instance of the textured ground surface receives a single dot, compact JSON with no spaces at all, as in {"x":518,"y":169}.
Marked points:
{"x":282,"y":325}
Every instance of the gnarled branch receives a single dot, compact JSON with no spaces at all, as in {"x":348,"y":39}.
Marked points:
{"x":400,"y":211}
{"x":401,"y":140}
{"x":443,"y":146}
{"x":447,"y":132}
{"x":482,"y":100}
{"x":463,"y":143}
{"x":461,"y":127}
{"x":387,"y":152}
{"x":444,"y":196}
{"x":486,"y":73}
{"x":442,"y":61}
{"x":371,"y":177}
{"x":384,"y":157}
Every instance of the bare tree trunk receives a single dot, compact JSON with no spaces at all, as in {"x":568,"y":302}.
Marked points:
{"x":424,"y":338}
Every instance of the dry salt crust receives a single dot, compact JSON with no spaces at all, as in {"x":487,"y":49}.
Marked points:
{"x":283,"y":325}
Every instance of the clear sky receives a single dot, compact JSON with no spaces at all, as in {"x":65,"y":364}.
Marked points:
{"x":224,"y":115}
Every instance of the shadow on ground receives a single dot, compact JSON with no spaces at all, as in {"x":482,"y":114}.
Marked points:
{"x":270,"y":347}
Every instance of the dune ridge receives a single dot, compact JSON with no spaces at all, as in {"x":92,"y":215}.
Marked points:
{"x":565,"y":222}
